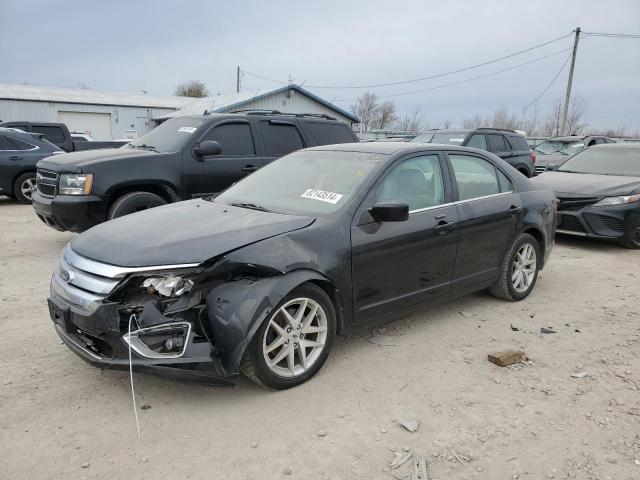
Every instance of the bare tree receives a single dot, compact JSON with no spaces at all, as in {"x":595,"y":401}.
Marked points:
{"x":192,"y":88}
{"x":366,"y":109}
{"x":551,"y":126}
{"x":386,"y":114}
{"x":446,"y":123}
{"x":474,"y":122}
{"x":412,"y":122}
{"x":578,"y":107}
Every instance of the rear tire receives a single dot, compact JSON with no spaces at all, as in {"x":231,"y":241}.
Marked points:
{"x":270,"y":342}
{"x":23,"y":186}
{"x":134,"y":202}
{"x":519,"y":270}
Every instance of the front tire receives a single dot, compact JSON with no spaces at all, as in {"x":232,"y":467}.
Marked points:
{"x":134,"y":202}
{"x":519,"y":270}
{"x":632,"y":238}
{"x":23,"y":186}
{"x":294,"y":341}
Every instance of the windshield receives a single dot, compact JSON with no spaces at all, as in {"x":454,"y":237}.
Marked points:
{"x":167,"y":137}
{"x":424,"y":138}
{"x":304,"y":182}
{"x":449,"y":138}
{"x":555,"y":146}
{"x":605,"y":161}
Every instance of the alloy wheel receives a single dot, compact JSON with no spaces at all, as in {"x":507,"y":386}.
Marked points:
{"x":28,"y":186}
{"x":295,"y":337}
{"x":524,"y":268}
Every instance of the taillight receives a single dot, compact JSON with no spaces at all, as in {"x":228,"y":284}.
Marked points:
{"x":533,"y":157}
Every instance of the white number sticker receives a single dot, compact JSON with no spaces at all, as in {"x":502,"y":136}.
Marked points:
{"x":321,"y":195}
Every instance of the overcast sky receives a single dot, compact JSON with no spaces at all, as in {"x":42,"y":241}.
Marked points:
{"x":154,"y":45}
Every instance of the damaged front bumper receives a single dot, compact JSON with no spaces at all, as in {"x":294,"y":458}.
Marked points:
{"x":168,"y":338}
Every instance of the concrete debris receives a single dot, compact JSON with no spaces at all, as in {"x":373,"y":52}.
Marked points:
{"x":254,"y":445}
{"x":401,"y":458}
{"x":547,"y":330}
{"x":382,"y":341}
{"x":85,"y":465}
{"x":145,"y":407}
{"x":419,"y":469}
{"x":322,"y":433}
{"x":412,"y":424}
{"x":507,"y":357}
{"x":581,"y":374}
{"x":515,"y":329}
{"x":466,"y":314}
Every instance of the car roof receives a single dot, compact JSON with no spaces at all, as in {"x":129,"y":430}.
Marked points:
{"x":635,"y":146}
{"x":258,"y":114}
{"x":573,"y":138}
{"x":389,"y":148}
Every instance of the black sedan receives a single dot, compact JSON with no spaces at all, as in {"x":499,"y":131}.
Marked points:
{"x":261,"y":278}
{"x":599,"y":193}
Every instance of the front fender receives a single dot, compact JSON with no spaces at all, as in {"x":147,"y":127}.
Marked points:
{"x":236,"y":310}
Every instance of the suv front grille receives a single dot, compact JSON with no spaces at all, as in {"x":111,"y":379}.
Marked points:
{"x":46,"y":183}
{"x":540,"y":169}
{"x":573,"y":204}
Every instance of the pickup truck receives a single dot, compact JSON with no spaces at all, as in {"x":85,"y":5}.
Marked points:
{"x":58,"y":134}
{"x":183,"y":158}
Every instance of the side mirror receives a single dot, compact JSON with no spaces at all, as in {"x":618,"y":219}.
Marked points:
{"x":390,"y":212}
{"x":207,"y":148}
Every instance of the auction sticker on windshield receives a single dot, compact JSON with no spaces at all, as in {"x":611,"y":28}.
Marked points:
{"x":322,"y":195}
{"x":187,"y":129}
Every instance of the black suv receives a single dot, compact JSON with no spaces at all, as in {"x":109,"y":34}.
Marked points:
{"x":185,"y":157}
{"x":507,"y":144}
{"x":19,"y":153}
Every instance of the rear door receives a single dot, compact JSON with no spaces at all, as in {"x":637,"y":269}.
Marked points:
{"x":279,"y":138}
{"x":488,"y":210}
{"x":12,"y":162}
{"x":397,"y":264}
{"x":212,"y":174}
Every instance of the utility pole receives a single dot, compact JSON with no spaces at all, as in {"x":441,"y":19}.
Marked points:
{"x":567,"y":98}
{"x":238,"y":78}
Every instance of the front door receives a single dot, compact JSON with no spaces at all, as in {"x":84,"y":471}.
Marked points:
{"x":488,"y":211}
{"x":212,"y":174}
{"x":397,"y":264}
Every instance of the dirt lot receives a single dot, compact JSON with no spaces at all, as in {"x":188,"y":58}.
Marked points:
{"x":61,"y":418}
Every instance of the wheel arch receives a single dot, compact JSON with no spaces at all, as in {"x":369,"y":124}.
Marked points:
{"x":21,"y":172}
{"x":164,"y":190}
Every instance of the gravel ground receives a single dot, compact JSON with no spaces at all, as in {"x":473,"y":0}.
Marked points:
{"x":61,"y":418}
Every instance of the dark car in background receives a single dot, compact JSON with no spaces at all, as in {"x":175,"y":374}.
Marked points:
{"x":261,"y":278}
{"x":182,"y":158}
{"x":59,"y":135}
{"x":19,"y":154}
{"x":599,"y":193}
{"x":554,"y":151}
{"x":506,"y":144}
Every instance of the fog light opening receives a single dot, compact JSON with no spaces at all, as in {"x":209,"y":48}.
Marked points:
{"x":160,"y":341}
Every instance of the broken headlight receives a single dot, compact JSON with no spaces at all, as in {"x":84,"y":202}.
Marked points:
{"x":168,"y":286}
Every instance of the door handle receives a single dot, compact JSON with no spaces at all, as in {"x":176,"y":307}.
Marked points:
{"x":15,"y":157}
{"x":514,"y":210}
{"x":249,"y":168}
{"x":444,"y":227}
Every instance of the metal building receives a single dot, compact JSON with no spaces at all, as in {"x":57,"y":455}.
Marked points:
{"x":108,"y":116}
{"x":289,"y":99}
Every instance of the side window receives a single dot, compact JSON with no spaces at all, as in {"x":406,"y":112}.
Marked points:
{"x":7,"y":144}
{"x":417,"y":182}
{"x":52,"y":133}
{"x":280,"y":138}
{"x":600,"y":141}
{"x":325,"y":133}
{"x":478,"y":141}
{"x":234,"y":138}
{"x":505,"y":183}
{"x":474,"y":176}
{"x":496,"y":143}
{"x":24,"y":128}
{"x":519,"y":144}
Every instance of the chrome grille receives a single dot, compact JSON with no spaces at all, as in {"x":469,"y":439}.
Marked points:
{"x":46,"y":183}
{"x":540,"y":169}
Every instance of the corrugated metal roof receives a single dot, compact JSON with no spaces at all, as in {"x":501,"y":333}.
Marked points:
{"x":91,"y":97}
{"x":235,"y":101}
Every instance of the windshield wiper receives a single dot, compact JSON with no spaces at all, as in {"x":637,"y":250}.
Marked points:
{"x":144,"y":146}
{"x":251,"y":206}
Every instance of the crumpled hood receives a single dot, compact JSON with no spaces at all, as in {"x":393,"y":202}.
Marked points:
{"x":551,"y":160}
{"x":588,"y":184}
{"x":179,"y":233}
{"x":75,"y":162}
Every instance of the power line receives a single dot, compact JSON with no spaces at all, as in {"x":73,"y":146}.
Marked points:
{"x":478,"y":77}
{"x":404,"y":82}
{"x":612,"y":35}
{"x":524,"y":110}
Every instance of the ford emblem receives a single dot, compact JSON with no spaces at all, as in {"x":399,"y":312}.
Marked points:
{"x":66,"y":275}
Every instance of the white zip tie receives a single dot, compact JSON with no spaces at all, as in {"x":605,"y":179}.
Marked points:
{"x":133,"y":393}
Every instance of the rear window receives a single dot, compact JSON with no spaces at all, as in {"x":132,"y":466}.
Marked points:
{"x":280,"y":138}
{"x":23,"y":145}
{"x":519,"y":143}
{"x":449,"y":138}
{"x":325,"y":133}
{"x":51,"y":132}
